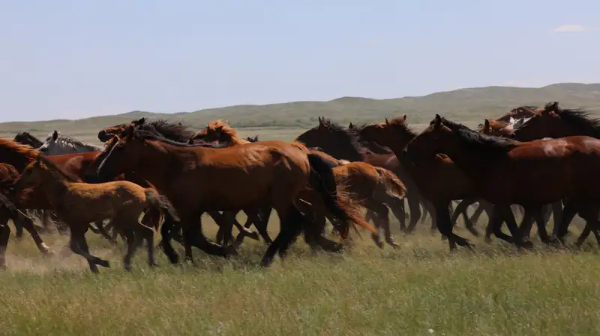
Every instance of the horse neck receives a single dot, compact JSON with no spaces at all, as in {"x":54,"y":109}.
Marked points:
{"x":53,"y":185}
{"x":473,"y":164}
{"x":157,"y":161}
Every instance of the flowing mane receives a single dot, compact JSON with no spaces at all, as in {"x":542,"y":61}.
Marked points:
{"x":73,"y":143}
{"x":176,"y":131}
{"x":223,"y":131}
{"x":351,"y":134}
{"x":581,"y":119}
{"x":401,"y":123}
{"x":149,"y":133}
{"x":16,"y":154}
{"x":478,"y":141}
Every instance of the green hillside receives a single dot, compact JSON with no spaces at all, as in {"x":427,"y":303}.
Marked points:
{"x":470,"y":106}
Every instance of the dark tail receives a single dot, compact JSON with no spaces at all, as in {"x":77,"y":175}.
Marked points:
{"x":161,"y":203}
{"x":322,"y":179}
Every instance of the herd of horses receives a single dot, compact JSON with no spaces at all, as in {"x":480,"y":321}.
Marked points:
{"x":541,"y":161}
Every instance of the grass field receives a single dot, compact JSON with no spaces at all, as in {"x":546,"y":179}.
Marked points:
{"x":421,"y":289}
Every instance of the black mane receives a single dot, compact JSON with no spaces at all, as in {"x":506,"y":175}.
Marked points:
{"x":352,"y":134}
{"x":581,"y":119}
{"x":148,"y":132}
{"x":479,"y":141}
{"x":175,"y":131}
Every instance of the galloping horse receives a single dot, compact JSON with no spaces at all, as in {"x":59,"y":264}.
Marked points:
{"x":178,"y":132}
{"x":429,"y":173}
{"x":507,"y":172}
{"x":78,"y":204}
{"x":198,"y":179}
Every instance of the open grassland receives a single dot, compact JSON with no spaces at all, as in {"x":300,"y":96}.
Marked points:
{"x":421,"y":289}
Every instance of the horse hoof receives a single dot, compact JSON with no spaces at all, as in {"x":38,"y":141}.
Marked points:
{"x":527,"y":245}
{"x":104,"y":263}
{"x":127,"y":268}
{"x":173,"y":258}
{"x":230,"y":251}
{"x":153,"y":265}
{"x":253,"y":235}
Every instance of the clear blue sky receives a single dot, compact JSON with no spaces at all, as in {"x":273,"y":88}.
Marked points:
{"x":73,"y":59}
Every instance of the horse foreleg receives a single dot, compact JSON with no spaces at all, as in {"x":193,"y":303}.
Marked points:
{"x":4,"y":237}
{"x":506,"y":213}
{"x":444,"y":226}
{"x":557,"y":212}
{"x":414,"y":206}
{"x":27,"y":223}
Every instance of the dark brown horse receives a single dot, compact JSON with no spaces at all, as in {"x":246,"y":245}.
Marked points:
{"x":343,"y":144}
{"x":429,"y":173}
{"x":198,"y":179}
{"x":507,"y":172}
{"x":555,"y":122}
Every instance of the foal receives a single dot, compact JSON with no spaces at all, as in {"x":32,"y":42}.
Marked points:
{"x":78,"y":204}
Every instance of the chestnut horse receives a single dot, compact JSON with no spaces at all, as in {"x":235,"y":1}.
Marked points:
{"x":78,"y":204}
{"x":371,"y":186}
{"x":507,"y":172}
{"x":343,"y":144}
{"x":198,"y":179}
{"x":179,"y":132}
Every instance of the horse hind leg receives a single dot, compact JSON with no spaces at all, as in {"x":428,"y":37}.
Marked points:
{"x":382,"y":213}
{"x":291,"y":227}
{"x":79,"y":246}
{"x":414,"y":206}
{"x":4,"y":237}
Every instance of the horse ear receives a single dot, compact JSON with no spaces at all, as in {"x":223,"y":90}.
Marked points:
{"x":321,"y":122}
{"x":219,"y":129}
{"x":437,"y":121}
{"x":141,"y":121}
{"x":191,"y":141}
{"x":486,"y":124}
{"x":387,"y":122}
{"x":404,"y":117}
{"x":351,"y":125}
{"x":54,"y":135}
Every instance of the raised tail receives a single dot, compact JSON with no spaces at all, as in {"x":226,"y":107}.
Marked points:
{"x":322,"y":180}
{"x":392,"y":184}
{"x":161,"y":203}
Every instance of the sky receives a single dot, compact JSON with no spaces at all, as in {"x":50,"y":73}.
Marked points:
{"x":75,"y":59}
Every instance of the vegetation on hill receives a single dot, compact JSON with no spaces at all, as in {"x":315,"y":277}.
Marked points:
{"x":466,"y":105}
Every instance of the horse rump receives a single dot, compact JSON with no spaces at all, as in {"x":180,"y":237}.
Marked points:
{"x":322,"y":180}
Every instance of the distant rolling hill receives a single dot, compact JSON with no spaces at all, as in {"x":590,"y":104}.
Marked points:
{"x":470,"y":105}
